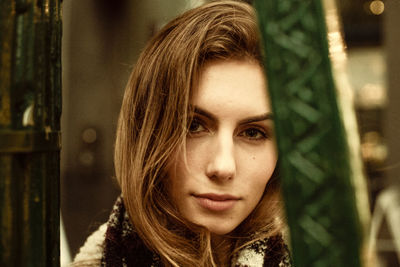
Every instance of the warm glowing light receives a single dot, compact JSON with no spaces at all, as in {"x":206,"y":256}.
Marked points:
{"x":377,"y":7}
{"x":89,"y":135}
{"x":46,"y":8}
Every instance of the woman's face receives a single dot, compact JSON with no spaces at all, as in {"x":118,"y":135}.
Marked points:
{"x":230,"y":149}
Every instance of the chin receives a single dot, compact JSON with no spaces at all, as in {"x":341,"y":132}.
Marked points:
{"x":220,"y":229}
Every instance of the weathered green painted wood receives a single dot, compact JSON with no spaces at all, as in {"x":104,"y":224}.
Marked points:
{"x":314,"y":157}
{"x":30,"y":109}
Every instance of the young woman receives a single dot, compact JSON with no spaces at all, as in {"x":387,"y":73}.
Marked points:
{"x":195,"y":154}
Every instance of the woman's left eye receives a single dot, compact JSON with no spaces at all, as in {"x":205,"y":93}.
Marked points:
{"x":254,"y":134}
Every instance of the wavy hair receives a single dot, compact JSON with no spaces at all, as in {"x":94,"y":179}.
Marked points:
{"x":152,"y":126}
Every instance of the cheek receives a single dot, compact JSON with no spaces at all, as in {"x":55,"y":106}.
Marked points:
{"x":190,"y":168}
{"x":182,"y":171}
{"x":265,"y":158}
{"x":259,"y":168}
{"x":197,"y":152}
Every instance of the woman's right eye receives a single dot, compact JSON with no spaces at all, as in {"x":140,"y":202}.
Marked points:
{"x":196,"y":126}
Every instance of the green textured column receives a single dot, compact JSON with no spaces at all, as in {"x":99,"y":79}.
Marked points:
{"x":315,"y":162}
{"x":30,"y":109}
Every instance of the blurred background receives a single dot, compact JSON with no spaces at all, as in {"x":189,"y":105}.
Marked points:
{"x":101,"y":42}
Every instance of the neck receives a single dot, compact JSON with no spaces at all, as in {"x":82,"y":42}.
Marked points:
{"x":222,"y":247}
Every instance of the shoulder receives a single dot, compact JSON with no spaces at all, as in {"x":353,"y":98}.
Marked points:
{"x":91,"y":252}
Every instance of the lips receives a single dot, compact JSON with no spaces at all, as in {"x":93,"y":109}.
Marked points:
{"x":216,"y":202}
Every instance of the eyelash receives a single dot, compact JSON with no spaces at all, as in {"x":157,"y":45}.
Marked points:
{"x":197,"y":121}
{"x":261,"y":134}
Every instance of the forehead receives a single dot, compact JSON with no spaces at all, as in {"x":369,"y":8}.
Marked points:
{"x":232,"y":85}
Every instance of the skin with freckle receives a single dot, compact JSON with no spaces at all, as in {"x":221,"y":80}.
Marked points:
{"x":228,"y":152}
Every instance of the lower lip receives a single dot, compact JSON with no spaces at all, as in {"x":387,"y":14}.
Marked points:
{"x":216,"y":205}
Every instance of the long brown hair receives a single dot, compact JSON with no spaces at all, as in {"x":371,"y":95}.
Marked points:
{"x":152,"y":126}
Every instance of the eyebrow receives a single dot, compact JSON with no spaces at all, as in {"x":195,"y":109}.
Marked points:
{"x":262,"y":117}
{"x":257,"y":118}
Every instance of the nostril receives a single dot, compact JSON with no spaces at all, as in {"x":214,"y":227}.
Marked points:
{"x":217,"y":175}
{"x":221,"y":169}
{"x":220,"y":176}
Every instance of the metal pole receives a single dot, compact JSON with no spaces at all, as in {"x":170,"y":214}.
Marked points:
{"x":30,"y":109}
{"x":318,"y":172}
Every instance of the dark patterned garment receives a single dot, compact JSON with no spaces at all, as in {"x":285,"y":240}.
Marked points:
{"x":123,"y":247}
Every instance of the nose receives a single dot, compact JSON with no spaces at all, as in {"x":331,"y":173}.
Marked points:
{"x":222,"y":163}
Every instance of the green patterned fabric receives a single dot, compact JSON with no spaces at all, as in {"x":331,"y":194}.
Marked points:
{"x":314,"y":157}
